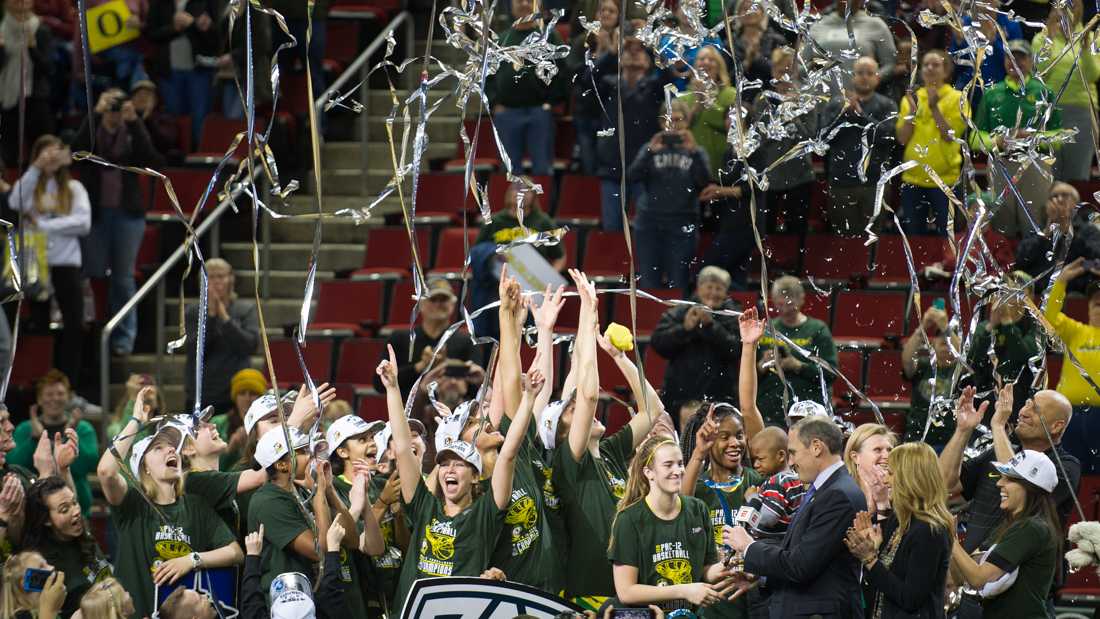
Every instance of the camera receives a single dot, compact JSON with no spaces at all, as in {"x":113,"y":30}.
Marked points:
{"x":116,"y":105}
{"x":672,"y":139}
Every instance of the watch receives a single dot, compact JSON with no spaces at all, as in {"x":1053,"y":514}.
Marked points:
{"x":196,"y":561}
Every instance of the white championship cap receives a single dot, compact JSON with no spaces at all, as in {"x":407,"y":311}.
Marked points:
{"x":272,"y":446}
{"x":806,"y":408}
{"x":1031,"y":466}
{"x":261,"y":407}
{"x":463,"y":450}
{"x":382,"y":438}
{"x":346,"y":427}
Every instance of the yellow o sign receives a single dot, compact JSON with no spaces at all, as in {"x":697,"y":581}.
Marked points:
{"x":107,"y":26}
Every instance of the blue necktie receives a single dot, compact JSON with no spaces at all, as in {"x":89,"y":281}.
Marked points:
{"x":805,"y":501}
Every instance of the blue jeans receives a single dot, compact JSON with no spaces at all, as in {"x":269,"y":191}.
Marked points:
{"x":586,"y":142}
{"x":189,"y":92}
{"x":664,"y":253}
{"x":611,"y":219}
{"x":110,"y":250}
{"x":129,"y":64}
{"x":1082,"y":437}
{"x":527,"y":130}
{"x":918,"y":205}
{"x":316,"y":55}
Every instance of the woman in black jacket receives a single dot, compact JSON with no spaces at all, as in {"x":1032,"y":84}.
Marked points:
{"x":26,"y":68}
{"x":906,"y":575}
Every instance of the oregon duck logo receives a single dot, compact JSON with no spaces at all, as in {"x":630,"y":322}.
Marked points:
{"x":674,"y":572}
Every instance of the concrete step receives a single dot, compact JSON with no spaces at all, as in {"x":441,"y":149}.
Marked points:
{"x":442,"y":128}
{"x":284,"y":284}
{"x":349,"y":182}
{"x":334,"y":230}
{"x":277,"y":312}
{"x":295,"y":256}
{"x":381,"y":103}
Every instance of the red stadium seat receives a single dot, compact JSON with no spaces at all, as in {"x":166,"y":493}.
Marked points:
{"x":605,"y":256}
{"x":615,"y":417}
{"x":747,"y":298}
{"x":1054,"y":369}
{"x":886,"y":385}
{"x":649,"y":311}
{"x":891,"y":266}
{"x":317,"y":355}
{"x":357,"y":361}
{"x":867,"y":318}
{"x":850,"y":364}
{"x":655,"y":366}
{"x":579,"y":202}
{"x":346,"y":308}
{"x":372,"y":407}
{"x":440,"y":198}
{"x":498,"y":187}
{"x":189,"y":185}
{"x":784,"y":253}
{"x":450,"y":254}
{"x":611,"y":377}
{"x":33,"y":358}
{"x":486,"y":155}
{"x":217,"y":134}
{"x":389,"y":253}
{"x":835,"y":259}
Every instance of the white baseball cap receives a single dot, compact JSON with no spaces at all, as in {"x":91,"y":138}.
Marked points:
{"x":272,"y":445}
{"x":137,"y":452}
{"x":346,"y":427}
{"x":549,"y":418}
{"x":464,"y":451}
{"x":382,"y":438}
{"x":291,"y":597}
{"x":449,"y":428}
{"x":806,"y":408}
{"x":261,"y":407}
{"x":1031,"y":466}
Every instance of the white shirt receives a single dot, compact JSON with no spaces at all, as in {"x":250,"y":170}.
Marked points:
{"x":824,"y":475}
{"x":63,"y":232}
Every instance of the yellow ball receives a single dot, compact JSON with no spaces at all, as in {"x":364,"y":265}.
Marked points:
{"x":620,"y":337}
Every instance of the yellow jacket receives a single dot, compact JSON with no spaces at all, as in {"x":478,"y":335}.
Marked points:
{"x":1084,"y":342}
{"x":927,"y":145}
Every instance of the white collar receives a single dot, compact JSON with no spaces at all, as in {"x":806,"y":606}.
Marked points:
{"x":824,"y":476}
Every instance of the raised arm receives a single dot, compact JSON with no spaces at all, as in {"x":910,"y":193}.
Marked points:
{"x":588,"y":381}
{"x":110,"y":478}
{"x":505,"y":467}
{"x":1002,"y":410}
{"x":704,"y":440}
{"x":646,"y":398}
{"x":752,"y":329}
{"x":407,"y":467}
{"x":546,"y":316}
{"x":966,"y":418}
{"x":512,"y":306}
{"x":370,"y":542}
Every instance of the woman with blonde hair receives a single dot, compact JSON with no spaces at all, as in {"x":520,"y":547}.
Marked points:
{"x":906,"y":576}
{"x":20,"y":603}
{"x":708,"y":122}
{"x":658,"y":554}
{"x":107,"y":600}
{"x":57,"y":206}
{"x":866,"y":456}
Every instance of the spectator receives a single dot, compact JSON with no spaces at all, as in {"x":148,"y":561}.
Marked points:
{"x":118,"y":204}
{"x":1028,"y":542}
{"x":298,"y":16}
{"x":866,"y":455}
{"x":505,"y":226}
{"x":642,"y":92}
{"x":53,"y":413}
{"x":58,"y":530}
{"x":55,"y":204}
{"x":232,"y":333}
{"x":635,"y":12}
{"x":522,"y":102}
{"x":245,"y":387}
{"x":906,"y":576}
{"x":991,"y":22}
{"x":1077,"y":91}
{"x":125,"y":406}
{"x":931,"y":379}
{"x":1079,"y":339}
{"x":829,"y":38}
{"x":790,"y":184}
{"x":436,"y":312}
{"x":186,"y":42}
{"x":928,"y":124}
{"x":860,"y":114}
{"x":708,"y":122}
{"x":895,"y":85}
{"x":791,"y":376}
{"x":1016,"y":109}
{"x":754,"y":39}
{"x":730,"y":198}
{"x":1036,"y":253}
{"x":119,"y":66}
{"x":1010,"y":337}
{"x":161,"y":126}
{"x":26,"y":68}
{"x":18,"y":601}
{"x":601,"y":49}
{"x":678,"y":51}
{"x":233,"y":64}
{"x":673,"y":170}
{"x":184,"y":603}
{"x":701,"y":347}
{"x":60,"y":17}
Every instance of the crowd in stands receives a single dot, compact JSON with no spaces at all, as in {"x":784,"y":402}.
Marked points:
{"x":565,"y":464}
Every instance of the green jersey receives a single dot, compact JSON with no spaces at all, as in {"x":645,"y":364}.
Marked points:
{"x":924,"y":389}
{"x":443,"y":545}
{"x":219,"y":490}
{"x":1010,"y":345}
{"x":386,"y":568}
{"x":83,"y":564}
{"x":666,"y":552}
{"x":733,"y":494}
{"x":805,"y":384}
{"x":1027,"y":545}
{"x":278,"y":510}
{"x":555,"y":520}
{"x":352,"y":562}
{"x":590,"y":489}
{"x":145,"y":541}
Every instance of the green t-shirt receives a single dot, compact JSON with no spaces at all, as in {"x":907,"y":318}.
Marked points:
{"x":1013,"y":344}
{"x":230,"y":457}
{"x":666,"y":552}
{"x":920,"y":400}
{"x":144,"y":541}
{"x":386,"y":568}
{"x":283,"y":521}
{"x":82,"y":567}
{"x":352,"y":562}
{"x":735,"y":498}
{"x":555,"y":520}
{"x":812,"y":335}
{"x":443,"y":545}
{"x":590,"y":490}
{"x":219,"y":490}
{"x":523,"y":551}
{"x":1030,"y":546}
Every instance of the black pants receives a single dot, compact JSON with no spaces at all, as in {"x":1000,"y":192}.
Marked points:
{"x":793,"y":205}
{"x":68,"y":289}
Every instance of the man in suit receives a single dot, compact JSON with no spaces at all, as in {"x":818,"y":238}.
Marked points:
{"x":811,"y":573}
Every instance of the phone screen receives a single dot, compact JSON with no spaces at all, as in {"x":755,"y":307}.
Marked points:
{"x":631,"y":613}
{"x":34,"y":579}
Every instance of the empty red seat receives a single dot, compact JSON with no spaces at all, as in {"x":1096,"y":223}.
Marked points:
{"x":850,"y":364}
{"x":867,"y":318}
{"x":784,"y":254}
{"x":886,"y":384}
{"x":450,"y":255}
{"x":148,"y":255}
{"x":498,"y":187}
{"x":348,"y":307}
{"x":441,"y":198}
{"x":611,"y":377}
{"x":357,"y":361}
{"x":1054,"y":369}
{"x":217,"y":133}
{"x":747,"y":298}
{"x":616,"y":416}
{"x":892,"y":267}
{"x":605,"y":256}
{"x":372,"y":407}
{"x":579,"y":202}
{"x":342,"y":41}
{"x":389,"y":253}
{"x":316,"y":353}
{"x":834,"y":258}
{"x":649,"y":311}
{"x":33,"y":358}
{"x":189,"y":185}
{"x":655,"y":366}
{"x":486,"y":155}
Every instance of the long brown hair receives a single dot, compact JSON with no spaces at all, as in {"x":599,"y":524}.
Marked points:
{"x":917,"y":490}
{"x":637,"y":485}
{"x":1039,"y":505}
{"x":64,"y":194}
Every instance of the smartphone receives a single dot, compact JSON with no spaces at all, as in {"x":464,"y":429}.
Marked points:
{"x":632,"y":613}
{"x":457,"y":369}
{"x":34,"y":580}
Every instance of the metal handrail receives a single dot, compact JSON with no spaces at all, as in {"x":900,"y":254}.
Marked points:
{"x":357,"y":64}
{"x":156,"y":280}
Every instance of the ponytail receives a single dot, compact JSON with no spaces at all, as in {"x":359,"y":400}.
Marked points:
{"x":637,"y":486}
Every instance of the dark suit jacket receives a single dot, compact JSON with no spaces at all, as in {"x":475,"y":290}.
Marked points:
{"x":811,"y":572}
{"x":913,"y":585}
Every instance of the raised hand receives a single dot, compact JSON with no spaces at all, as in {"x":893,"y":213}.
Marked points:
{"x":254,"y":542}
{"x":509,"y":292}
{"x":142,"y":407}
{"x":335,"y":536}
{"x":752,"y":328}
{"x":358,"y":494}
{"x":706,"y":434}
{"x":966,"y":417}
{"x":304,"y":408}
{"x":546,"y":314}
{"x":11,"y":497}
{"x":1002,"y":410}
{"x":387,"y":370}
{"x":534,"y":380}
{"x":586,"y":290}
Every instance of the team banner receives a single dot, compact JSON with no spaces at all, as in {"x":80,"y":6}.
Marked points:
{"x":477,"y":598}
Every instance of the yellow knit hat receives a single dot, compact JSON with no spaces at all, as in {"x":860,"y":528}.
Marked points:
{"x":247,"y":379}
